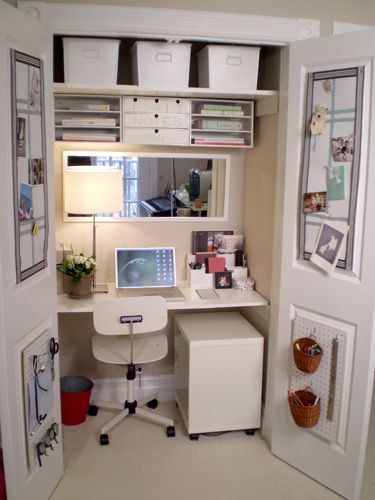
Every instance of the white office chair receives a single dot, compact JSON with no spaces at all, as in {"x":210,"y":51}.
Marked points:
{"x":124,"y":327}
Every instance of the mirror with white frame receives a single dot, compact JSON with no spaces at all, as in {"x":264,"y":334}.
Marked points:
{"x":160,"y":185}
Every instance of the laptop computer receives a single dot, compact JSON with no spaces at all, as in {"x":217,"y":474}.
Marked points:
{"x":147,"y":271}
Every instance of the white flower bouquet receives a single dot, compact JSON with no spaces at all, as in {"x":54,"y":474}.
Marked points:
{"x":77,"y":266}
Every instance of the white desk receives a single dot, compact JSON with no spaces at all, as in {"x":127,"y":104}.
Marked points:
{"x":228,"y":298}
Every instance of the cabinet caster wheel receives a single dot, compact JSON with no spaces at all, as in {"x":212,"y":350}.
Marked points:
{"x":153,"y":404}
{"x":104,"y":440}
{"x":171,"y":431}
{"x":249,"y":432}
{"x":92,"y":411}
{"x":194,"y":437}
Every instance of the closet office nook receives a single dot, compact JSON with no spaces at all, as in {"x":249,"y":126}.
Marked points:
{"x":254,"y":134}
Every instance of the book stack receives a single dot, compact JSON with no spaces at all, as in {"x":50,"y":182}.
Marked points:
{"x":88,"y":122}
{"x":221,"y":109}
{"x":218,"y":124}
{"x":218,"y":140}
{"x":88,"y":136}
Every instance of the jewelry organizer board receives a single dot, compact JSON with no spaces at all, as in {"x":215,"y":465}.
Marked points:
{"x":40,"y":347}
{"x":326,"y":166}
{"x":325,"y":332}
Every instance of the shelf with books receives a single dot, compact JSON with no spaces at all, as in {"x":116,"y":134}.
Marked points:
{"x":224,"y":123}
{"x":87,"y":118}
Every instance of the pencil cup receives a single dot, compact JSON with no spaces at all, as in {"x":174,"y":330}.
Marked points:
{"x":307,"y":354}
{"x":305,"y":408}
{"x":198,"y":278}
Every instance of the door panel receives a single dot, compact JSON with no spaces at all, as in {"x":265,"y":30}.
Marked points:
{"x":338,"y":305}
{"x":28,"y":316}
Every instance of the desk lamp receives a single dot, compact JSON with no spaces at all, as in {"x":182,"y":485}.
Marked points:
{"x":93,"y":192}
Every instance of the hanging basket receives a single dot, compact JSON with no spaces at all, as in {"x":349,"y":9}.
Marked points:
{"x":306,"y":414}
{"x":305,"y":361}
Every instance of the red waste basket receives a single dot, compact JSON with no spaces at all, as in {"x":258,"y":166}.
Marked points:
{"x":75,"y":399}
{"x":3,"y":494}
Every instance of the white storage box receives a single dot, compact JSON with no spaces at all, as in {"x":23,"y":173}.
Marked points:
{"x":161,"y":64}
{"x":228,"y":67}
{"x":90,"y":61}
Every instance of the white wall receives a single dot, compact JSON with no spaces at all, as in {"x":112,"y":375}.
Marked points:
{"x":169,"y":232}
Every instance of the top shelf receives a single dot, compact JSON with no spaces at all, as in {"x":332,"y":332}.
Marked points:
{"x":132,"y":90}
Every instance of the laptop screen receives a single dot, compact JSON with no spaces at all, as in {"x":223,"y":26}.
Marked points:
{"x":145,"y":267}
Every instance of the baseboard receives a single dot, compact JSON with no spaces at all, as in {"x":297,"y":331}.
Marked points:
{"x":114,"y":389}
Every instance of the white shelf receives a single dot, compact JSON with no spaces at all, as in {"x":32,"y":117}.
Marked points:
{"x":75,"y":105}
{"x":194,"y":92}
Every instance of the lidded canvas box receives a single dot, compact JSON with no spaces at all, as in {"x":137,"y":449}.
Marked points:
{"x":229,"y":67}
{"x":90,"y":61}
{"x":161,"y":64}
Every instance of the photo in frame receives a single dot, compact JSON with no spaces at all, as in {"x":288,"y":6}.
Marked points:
{"x":29,"y":165}
{"x":331,"y":156}
{"x":223,"y":279}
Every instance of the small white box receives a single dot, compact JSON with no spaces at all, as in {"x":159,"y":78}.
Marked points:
{"x":161,"y":64}
{"x":92,"y":61}
{"x":228,"y":67}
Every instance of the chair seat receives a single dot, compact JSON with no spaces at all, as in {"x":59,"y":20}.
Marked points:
{"x":116,"y":349}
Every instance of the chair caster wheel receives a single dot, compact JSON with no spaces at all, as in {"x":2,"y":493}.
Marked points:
{"x":249,"y":432}
{"x":153,"y":404}
{"x":104,"y":440}
{"x":194,"y":437}
{"x":171,"y":431}
{"x":92,"y":411}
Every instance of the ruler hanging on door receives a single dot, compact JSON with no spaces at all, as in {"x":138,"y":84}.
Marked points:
{"x":332,"y":380}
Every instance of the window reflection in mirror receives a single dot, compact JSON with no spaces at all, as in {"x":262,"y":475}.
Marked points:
{"x":162,"y":185}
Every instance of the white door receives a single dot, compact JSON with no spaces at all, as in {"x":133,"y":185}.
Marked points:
{"x":28,"y":317}
{"x":337,"y":308}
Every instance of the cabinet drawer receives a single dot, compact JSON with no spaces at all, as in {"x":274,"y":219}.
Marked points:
{"x":145,"y":105}
{"x":177,"y":137}
{"x":178,"y":106}
{"x":156,"y":120}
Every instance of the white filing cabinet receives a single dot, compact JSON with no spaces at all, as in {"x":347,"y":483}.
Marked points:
{"x":218,"y":372}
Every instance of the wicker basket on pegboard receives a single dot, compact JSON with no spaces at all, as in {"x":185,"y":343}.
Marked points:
{"x":307,"y":354}
{"x":305,"y":407}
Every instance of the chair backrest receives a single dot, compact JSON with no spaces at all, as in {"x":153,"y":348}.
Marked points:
{"x":113,"y":316}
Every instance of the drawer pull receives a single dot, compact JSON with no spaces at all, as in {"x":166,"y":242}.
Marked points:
{"x":156,"y":131}
{"x":156,"y":116}
{"x":177,"y":101}
{"x":135,"y":99}
{"x":156,"y":100}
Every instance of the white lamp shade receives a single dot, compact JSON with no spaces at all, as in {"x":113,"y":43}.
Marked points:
{"x":93,"y":192}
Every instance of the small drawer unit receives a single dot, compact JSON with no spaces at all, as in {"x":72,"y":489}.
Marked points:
{"x":218,"y":372}
{"x":149,"y":120}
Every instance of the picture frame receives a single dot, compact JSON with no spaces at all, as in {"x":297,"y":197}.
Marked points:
{"x":223,"y":279}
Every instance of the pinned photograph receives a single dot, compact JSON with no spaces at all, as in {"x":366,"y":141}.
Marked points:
{"x":36,"y":171}
{"x":343,"y":148}
{"x":314,"y":202}
{"x":331,"y":238}
{"x":21,"y":136}
{"x":336,"y":183}
{"x":35,"y":90}
{"x":228,"y":243}
{"x":25,"y":210}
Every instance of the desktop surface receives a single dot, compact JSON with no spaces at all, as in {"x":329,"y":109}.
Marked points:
{"x":227,"y":298}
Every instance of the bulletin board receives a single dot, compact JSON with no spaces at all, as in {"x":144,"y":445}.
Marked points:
{"x":331,"y":158}
{"x":29,"y":165}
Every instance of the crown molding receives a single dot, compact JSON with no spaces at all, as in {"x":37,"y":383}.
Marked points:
{"x":170,"y":24}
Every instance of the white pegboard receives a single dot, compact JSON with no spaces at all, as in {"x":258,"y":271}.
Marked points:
{"x":40,"y":347}
{"x":319,"y":381}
